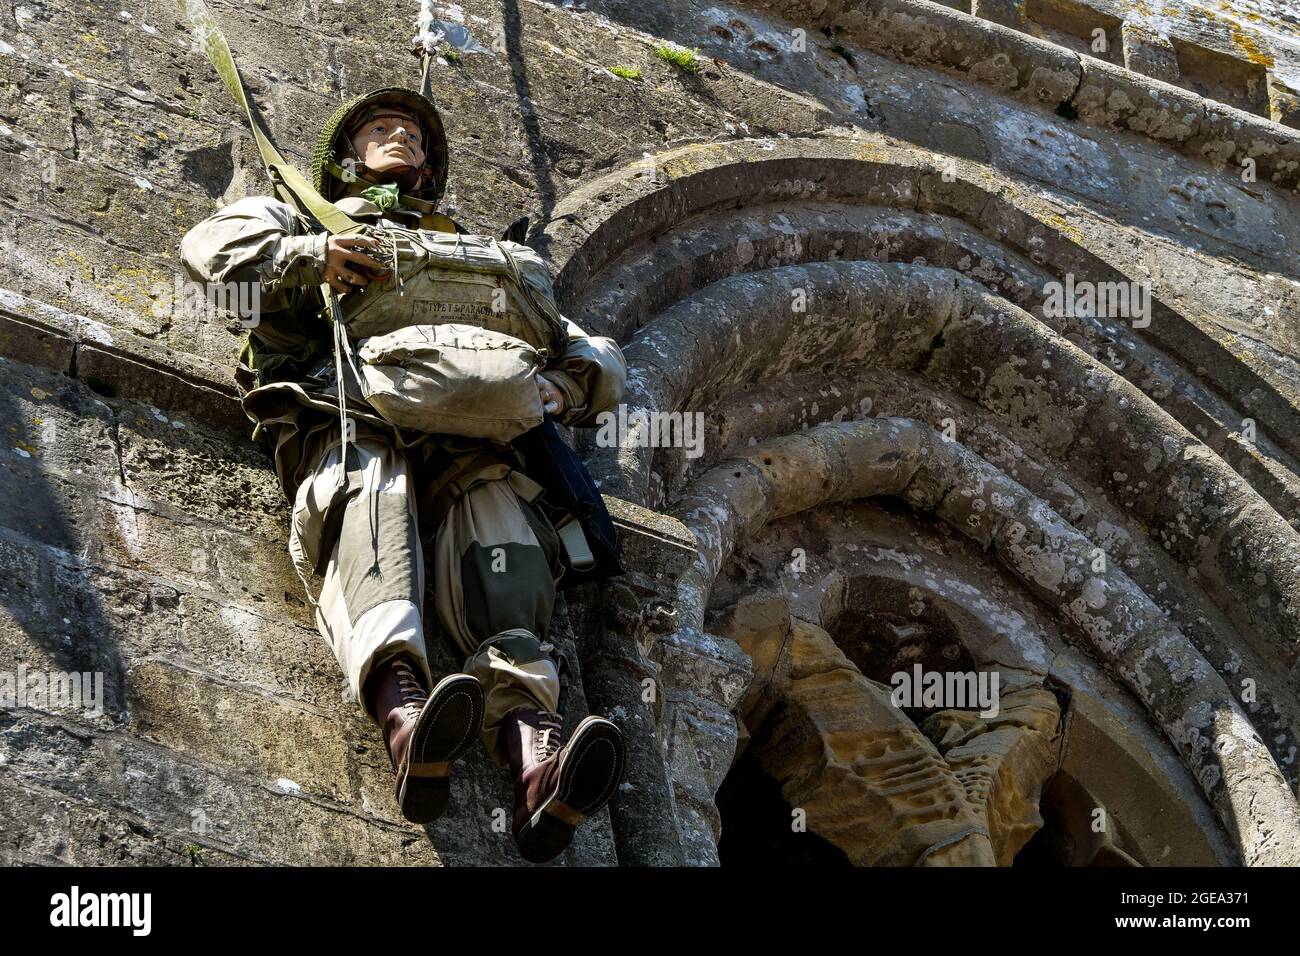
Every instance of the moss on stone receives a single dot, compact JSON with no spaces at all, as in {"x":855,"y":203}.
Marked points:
{"x":683,"y":59}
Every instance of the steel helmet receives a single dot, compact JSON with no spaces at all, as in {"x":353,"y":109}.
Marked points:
{"x":334,"y":146}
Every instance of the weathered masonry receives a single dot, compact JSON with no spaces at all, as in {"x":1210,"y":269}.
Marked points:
{"x":836,"y":238}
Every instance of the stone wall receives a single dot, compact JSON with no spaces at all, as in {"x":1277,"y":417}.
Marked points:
{"x":919,"y":175}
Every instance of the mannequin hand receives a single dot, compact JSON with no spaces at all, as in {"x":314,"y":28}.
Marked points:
{"x":347,"y":267}
{"x":552,"y":397}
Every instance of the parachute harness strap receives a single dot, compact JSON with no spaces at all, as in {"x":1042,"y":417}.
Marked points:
{"x":342,"y":347}
{"x":388,"y":240}
{"x":290,"y":184}
{"x":542,"y":307}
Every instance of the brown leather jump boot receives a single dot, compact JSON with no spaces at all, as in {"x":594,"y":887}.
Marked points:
{"x":424,"y":733}
{"x":558,"y":785}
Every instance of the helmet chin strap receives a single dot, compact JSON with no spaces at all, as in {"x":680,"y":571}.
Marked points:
{"x":407,"y":178}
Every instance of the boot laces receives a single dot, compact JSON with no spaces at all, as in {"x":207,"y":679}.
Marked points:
{"x":413,"y":695}
{"x":548,"y":742}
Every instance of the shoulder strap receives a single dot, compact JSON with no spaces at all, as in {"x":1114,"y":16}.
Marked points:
{"x":290,"y":185}
{"x":447,"y":487}
{"x":293,"y":188}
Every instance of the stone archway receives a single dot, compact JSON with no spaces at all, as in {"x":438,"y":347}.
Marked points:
{"x":891,"y":594}
{"x":1126,"y":630}
{"x":1081,"y":473}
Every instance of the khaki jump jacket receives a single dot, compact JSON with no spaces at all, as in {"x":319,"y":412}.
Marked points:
{"x":286,"y":375}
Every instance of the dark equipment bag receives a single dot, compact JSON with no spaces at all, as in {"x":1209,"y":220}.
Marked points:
{"x":569,"y":489}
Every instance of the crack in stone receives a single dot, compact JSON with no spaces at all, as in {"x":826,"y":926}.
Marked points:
{"x":115,"y":433}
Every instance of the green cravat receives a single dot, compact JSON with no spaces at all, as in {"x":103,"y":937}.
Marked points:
{"x":385,"y":196}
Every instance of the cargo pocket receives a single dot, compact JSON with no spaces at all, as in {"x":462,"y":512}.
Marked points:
{"x":305,"y":527}
{"x":547,"y":537}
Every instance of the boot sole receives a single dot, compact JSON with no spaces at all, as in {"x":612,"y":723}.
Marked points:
{"x":448,"y":723}
{"x":591,"y":768}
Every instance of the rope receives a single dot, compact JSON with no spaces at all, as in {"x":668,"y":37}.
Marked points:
{"x":290,"y":184}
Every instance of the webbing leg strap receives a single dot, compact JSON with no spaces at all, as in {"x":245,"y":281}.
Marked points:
{"x":470,"y":470}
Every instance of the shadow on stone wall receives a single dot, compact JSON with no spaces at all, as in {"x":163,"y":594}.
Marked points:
{"x":541,"y":163}
{"x":46,"y":583}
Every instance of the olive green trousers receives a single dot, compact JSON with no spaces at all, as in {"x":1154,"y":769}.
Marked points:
{"x":496,"y":561}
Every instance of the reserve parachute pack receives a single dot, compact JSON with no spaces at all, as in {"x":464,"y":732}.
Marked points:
{"x":452,"y":380}
{"x":451,"y":341}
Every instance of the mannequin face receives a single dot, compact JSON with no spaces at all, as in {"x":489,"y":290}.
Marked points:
{"x":389,"y":141}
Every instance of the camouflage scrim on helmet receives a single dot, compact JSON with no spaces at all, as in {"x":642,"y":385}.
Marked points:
{"x":331,"y":142}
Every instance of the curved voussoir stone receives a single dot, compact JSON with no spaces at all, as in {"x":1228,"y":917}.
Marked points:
{"x":954,"y":333}
{"x":1160,"y":666}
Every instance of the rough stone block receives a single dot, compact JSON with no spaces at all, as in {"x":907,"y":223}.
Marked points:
{"x":237,"y":728}
{"x":1149,"y":53}
{"x":657,"y":544}
{"x":1283,"y":102}
{"x":1009,"y":13}
{"x":225,"y":816}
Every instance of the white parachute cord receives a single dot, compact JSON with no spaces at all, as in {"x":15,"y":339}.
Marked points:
{"x":425,"y":36}
{"x":340,"y":346}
